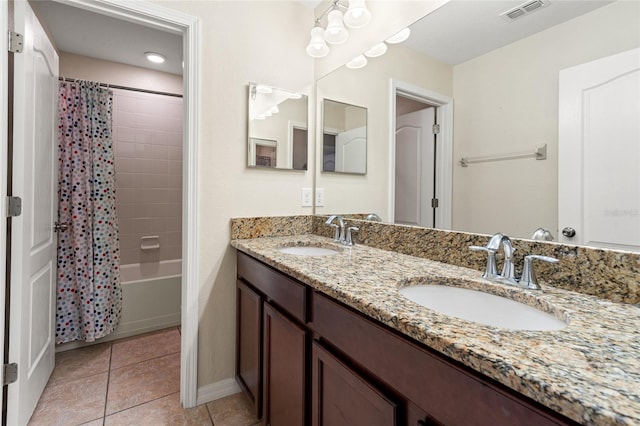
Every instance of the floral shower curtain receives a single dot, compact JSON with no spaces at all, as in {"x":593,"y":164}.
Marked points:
{"x":89,"y":298}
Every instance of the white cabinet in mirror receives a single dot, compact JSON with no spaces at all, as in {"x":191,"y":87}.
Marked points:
{"x":344,"y":138}
{"x":278,"y":136}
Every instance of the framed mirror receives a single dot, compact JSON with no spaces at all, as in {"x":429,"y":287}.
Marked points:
{"x":278,"y":135}
{"x":344,"y":138}
{"x":503,"y":80}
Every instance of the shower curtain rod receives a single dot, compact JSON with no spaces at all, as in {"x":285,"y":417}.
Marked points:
{"x":115,"y":86}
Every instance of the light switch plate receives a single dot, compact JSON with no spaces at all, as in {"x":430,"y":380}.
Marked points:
{"x":319,"y":197}
{"x":307,"y":197}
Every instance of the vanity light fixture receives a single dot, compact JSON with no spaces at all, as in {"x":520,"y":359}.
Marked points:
{"x":154,"y":57}
{"x":335,"y":33}
{"x":377,"y":50}
{"x":317,"y":47}
{"x":357,"y":62}
{"x":399,"y":37}
{"x":356,"y":15}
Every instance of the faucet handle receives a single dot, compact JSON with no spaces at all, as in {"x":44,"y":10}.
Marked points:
{"x":349,"y":239}
{"x":529,"y":279}
{"x":491,"y":269}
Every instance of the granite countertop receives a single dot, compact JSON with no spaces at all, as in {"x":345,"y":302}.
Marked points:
{"x":588,"y":371}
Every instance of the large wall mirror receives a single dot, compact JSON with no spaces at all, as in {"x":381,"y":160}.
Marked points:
{"x":499,"y":82}
{"x":344,"y":137}
{"x":278,"y":136}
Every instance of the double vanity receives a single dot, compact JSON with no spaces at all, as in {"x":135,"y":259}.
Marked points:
{"x":334,"y":334}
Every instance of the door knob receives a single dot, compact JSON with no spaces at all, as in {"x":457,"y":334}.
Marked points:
{"x":60,"y":226}
{"x":568,"y":232}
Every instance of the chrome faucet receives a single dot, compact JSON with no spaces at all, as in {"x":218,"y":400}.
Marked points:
{"x":339,"y":228}
{"x":508,"y":274}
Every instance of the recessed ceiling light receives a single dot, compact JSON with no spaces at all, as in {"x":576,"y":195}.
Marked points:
{"x":154,"y":57}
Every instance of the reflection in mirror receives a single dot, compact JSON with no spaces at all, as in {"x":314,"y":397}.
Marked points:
{"x":503,"y":78}
{"x":344,"y":141}
{"x":278,"y":136}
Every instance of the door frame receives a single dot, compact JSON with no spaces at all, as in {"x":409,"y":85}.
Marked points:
{"x":444,"y":156}
{"x":4,"y":144}
{"x":159,"y":17}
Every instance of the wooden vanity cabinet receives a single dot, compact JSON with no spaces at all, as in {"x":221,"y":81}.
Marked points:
{"x":249,"y":344}
{"x":273,"y":342}
{"x":322,"y":363}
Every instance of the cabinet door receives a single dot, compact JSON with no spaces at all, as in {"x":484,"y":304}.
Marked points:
{"x":341,"y":397}
{"x":249,"y":345}
{"x":284,"y":370}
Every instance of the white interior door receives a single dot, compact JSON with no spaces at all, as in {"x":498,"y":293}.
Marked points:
{"x":599,"y":152}
{"x":33,"y":243}
{"x":414,"y":177}
{"x":351,"y":151}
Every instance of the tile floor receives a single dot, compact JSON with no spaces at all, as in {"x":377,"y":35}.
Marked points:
{"x":133,"y":381}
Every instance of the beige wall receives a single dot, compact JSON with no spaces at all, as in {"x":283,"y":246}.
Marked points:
{"x":507,"y":101}
{"x":82,"y":67}
{"x":369,"y":87}
{"x":241,"y":41}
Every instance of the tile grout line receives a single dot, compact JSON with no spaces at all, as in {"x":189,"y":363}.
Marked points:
{"x":143,"y":403}
{"x":145,"y":360}
{"x":106,"y":394}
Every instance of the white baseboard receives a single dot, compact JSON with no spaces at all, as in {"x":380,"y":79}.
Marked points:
{"x":217,"y":390}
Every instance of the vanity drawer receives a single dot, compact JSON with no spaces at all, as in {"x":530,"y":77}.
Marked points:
{"x":447,"y":392}
{"x":278,"y":288}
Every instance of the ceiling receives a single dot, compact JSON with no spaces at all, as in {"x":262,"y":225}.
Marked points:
{"x":98,"y":36}
{"x":456,"y":32}
{"x":463,"y":29}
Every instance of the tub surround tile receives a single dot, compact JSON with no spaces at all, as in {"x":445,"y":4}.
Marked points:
{"x":232,"y":410}
{"x":162,"y":411}
{"x":589,"y":371}
{"x":135,"y":384}
{"x":137,"y":349}
{"x":276,"y":226}
{"x":72,"y":403}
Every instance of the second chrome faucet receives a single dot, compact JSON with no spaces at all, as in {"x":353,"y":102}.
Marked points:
{"x":343,"y":233}
{"x":508,"y":274}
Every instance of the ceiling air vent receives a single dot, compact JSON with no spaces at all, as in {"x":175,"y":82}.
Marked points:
{"x":524,"y":9}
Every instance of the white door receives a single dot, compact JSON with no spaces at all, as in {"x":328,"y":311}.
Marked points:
{"x":414,"y":177}
{"x":33,"y":242}
{"x":351,"y":151}
{"x":599,"y":152}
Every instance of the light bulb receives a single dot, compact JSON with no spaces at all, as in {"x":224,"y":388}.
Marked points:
{"x":274,"y":109}
{"x":357,"y":15}
{"x":335,"y":33}
{"x":317,"y":48}
{"x":377,"y":50}
{"x":399,"y":37}
{"x":357,"y":62}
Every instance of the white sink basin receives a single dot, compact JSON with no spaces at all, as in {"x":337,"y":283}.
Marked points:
{"x":308,"y":251}
{"x":483,"y":308}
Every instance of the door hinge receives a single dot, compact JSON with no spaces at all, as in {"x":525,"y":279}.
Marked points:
{"x":9,"y":373}
{"x":14,"y":206}
{"x":436,"y":129}
{"x":434,"y":203}
{"x":16,"y":42}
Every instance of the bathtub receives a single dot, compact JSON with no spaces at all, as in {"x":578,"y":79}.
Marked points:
{"x":151,"y":300}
